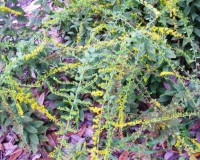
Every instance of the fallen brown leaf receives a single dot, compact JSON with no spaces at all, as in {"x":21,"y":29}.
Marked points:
{"x":1,"y":147}
{"x":124,"y":155}
{"x":82,"y":130}
{"x":16,"y":154}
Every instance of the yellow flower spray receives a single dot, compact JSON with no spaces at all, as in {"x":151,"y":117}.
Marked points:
{"x":6,"y":9}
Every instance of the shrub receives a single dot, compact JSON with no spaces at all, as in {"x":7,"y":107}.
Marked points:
{"x":119,"y":61}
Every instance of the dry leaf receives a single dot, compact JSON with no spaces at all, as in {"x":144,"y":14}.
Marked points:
{"x":41,"y":99}
{"x":123,"y":156}
{"x":82,"y":130}
{"x":16,"y":154}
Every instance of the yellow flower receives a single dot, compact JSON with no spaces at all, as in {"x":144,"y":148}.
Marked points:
{"x":34,"y":52}
{"x":145,"y":79}
{"x":135,"y":49}
{"x":20,"y":110}
{"x":166,"y":73}
{"x":96,"y":109}
{"x":97,"y":93}
{"x":157,"y":104}
{"x":6,"y":9}
{"x":196,"y":143}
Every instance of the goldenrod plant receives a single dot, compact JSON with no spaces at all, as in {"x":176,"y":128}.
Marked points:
{"x":123,"y":62}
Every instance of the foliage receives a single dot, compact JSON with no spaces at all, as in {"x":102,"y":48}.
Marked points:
{"x":121,"y":61}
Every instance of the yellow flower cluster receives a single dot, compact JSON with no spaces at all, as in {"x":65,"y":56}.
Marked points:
{"x":188,"y":148}
{"x":196,"y":143}
{"x":105,"y":70}
{"x":157,"y":13}
{"x":158,"y":119}
{"x":41,"y":109}
{"x":35,"y":52}
{"x":121,"y":100}
{"x":95,"y":138}
{"x":96,"y":30}
{"x":165,"y":30}
{"x":20,"y":110}
{"x":102,"y":151}
{"x":171,"y":5}
{"x":153,"y":35}
{"x":80,"y":32}
{"x":97,"y":93}
{"x":96,"y":109}
{"x":166,"y":73}
{"x":6,"y":9}
{"x":51,"y":22}
{"x":135,"y":49}
{"x":64,"y":68}
{"x":25,"y":98}
{"x":157,"y":104}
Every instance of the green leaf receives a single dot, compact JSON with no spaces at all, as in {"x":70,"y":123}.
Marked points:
{"x":42,"y":138}
{"x":3,"y":116}
{"x":17,"y":8}
{"x":197,"y":32}
{"x":42,"y":129}
{"x":18,"y":129}
{"x":188,"y":2}
{"x":185,"y":41}
{"x":13,"y":1}
{"x":34,"y":138}
{"x":82,"y":157}
{"x":56,"y":2}
{"x":52,"y":97}
{"x":8,"y":122}
{"x":37,"y":124}
{"x":27,"y":119}
{"x":164,"y":98}
{"x":22,"y":19}
{"x":34,"y":147}
{"x":187,"y":10}
{"x":170,"y":53}
{"x":154,"y":142}
{"x":31,"y":129}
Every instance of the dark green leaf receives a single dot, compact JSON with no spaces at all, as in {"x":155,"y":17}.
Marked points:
{"x":31,"y":129}
{"x":37,"y":124}
{"x":22,"y":19}
{"x":197,"y":32}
